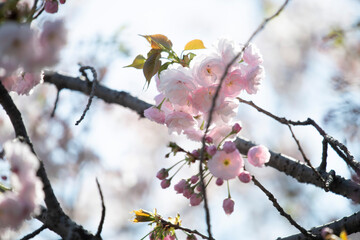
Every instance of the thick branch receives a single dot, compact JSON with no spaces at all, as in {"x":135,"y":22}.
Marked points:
{"x":106,"y":94}
{"x":351,"y":224}
{"x":288,"y":165}
{"x":54,"y":218}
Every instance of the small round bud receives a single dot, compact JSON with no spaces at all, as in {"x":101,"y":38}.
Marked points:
{"x":211,"y":150}
{"x":228,"y":206}
{"x":229,"y":147}
{"x":236,"y":128}
{"x":209,"y":139}
{"x":219,"y":181}
{"x":162,"y":174}
{"x":194,"y":179}
{"x":245,"y":177}
{"x":195,"y":199}
{"x":165,"y":183}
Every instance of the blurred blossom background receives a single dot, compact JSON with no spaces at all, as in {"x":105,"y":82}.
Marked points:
{"x":311,"y":58}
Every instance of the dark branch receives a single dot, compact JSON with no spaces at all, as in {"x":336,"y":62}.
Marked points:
{"x":280,"y":209}
{"x":33,"y":234}
{"x":351,"y":224}
{"x":93,"y":87}
{"x":54,"y":217}
{"x":98,"y":233}
{"x":285,"y":164}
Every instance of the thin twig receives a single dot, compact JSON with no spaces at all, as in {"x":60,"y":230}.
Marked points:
{"x":339,"y":148}
{"x":92,"y":93}
{"x":175,"y":226}
{"x":281,"y":210}
{"x":33,"y":234}
{"x":323,"y":163}
{"x":213,"y":103}
{"x":55,"y":103}
{"x":102,"y":212}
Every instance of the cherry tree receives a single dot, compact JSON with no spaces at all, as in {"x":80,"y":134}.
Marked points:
{"x":199,"y":93}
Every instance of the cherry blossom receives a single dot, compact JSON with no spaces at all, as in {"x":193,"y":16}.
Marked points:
{"x":226,"y":165}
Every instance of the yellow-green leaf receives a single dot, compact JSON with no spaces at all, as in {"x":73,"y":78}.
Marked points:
{"x":194,"y":44}
{"x":138,"y":62}
{"x":151,"y":66}
{"x":158,"y":41}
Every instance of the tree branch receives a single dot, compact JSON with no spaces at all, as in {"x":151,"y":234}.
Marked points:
{"x":283,"y":163}
{"x":53,"y":218}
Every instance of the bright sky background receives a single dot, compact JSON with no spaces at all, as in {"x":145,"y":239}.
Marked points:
{"x":114,"y":137}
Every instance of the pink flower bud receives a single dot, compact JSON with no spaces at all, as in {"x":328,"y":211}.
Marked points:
{"x":194,"y":179}
{"x":236,"y":128}
{"x":211,"y":150}
{"x":258,"y":155}
{"x":195,"y":199}
{"x":245,"y":177}
{"x":180,"y":186}
{"x":209,"y":139}
{"x":162,"y":174}
{"x":165,"y":183}
{"x":228,"y":205}
{"x":62,"y":1}
{"x":219,"y":181}
{"x":188,"y":192}
{"x":229,"y":147}
{"x":195,"y":153}
{"x":199,"y":188}
{"x":51,"y":6}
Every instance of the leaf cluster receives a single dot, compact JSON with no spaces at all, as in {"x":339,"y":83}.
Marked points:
{"x":152,"y":64}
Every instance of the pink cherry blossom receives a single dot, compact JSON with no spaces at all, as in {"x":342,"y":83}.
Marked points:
{"x":233,"y":83}
{"x":245,"y":177}
{"x":226,"y":49}
{"x":225,"y":112}
{"x":258,"y":155}
{"x":253,"y":77}
{"x":62,"y":1}
{"x":226,"y":165}
{"x":179,"y":121}
{"x":202,"y":98}
{"x":27,"y":194}
{"x":51,"y":6}
{"x":208,"y":69}
{"x":252,"y":55}
{"x":154,"y":114}
{"x":176,"y":84}
{"x":228,"y":205}
{"x":195,"y":199}
{"x":220,"y":132}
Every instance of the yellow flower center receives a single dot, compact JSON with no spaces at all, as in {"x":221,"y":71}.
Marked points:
{"x":226,"y":162}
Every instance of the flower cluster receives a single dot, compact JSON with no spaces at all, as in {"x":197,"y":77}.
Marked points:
{"x":25,"y":195}
{"x":24,"y":52}
{"x":187,"y":87}
{"x":186,"y":93}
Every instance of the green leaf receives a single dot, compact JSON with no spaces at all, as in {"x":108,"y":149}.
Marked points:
{"x":194,"y":44}
{"x":164,"y":66}
{"x":158,"y":41}
{"x":138,"y":62}
{"x":151,"y":66}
